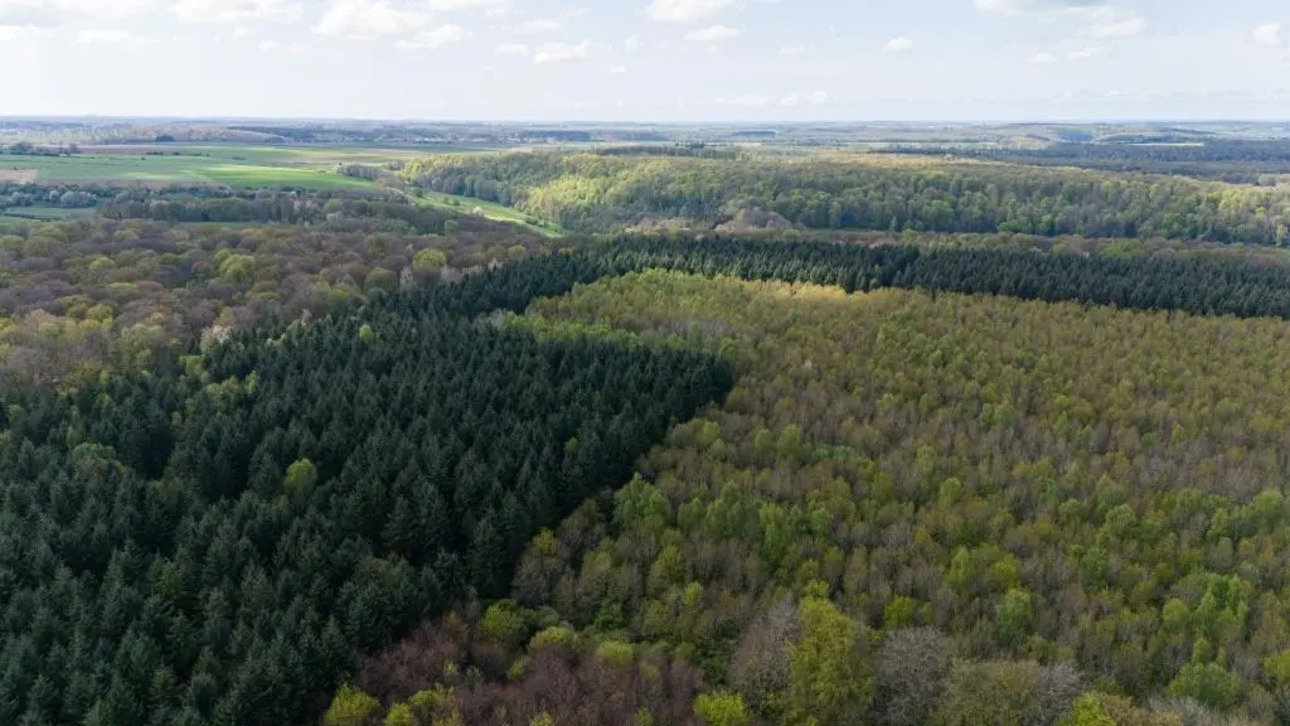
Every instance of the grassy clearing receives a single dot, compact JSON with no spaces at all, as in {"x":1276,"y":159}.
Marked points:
{"x":489,"y":210}
{"x":47,"y":214}
{"x":235,"y":175}
{"x":237,"y":165}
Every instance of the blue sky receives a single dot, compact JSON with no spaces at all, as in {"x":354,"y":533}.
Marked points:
{"x":649,"y":60}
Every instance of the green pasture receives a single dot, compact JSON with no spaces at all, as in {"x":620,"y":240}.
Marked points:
{"x":237,"y":165}
{"x":489,"y":210}
{"x":47,"y":214}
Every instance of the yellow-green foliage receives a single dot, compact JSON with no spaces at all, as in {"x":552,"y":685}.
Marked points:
{"x":77,"y":280}
{"x":438,"y":705}
{"x":590,"y":192}
{"x":619,"y":655}
{"x":1124,"y":713}
{"x":722,"y":708}
{"x":1049,"y":481}
{"x":829,"y":678}
{"x":506,"y":623}
{"x":1087,"y":711}
{"x":301,"y":477}
{"x":1278,"y":665}
{"x":429,"y":259}
{"x":555,"y":635}
{"x":237,"y":269}
{"x":350,"y":707}
{"x":400,"y":714}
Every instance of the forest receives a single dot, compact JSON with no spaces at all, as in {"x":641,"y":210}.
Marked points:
{"x":221,"y":542}
{"x":892,"y":520}
{"x":215,"y":546}
{"x":76,"y":298}
{"x":654,"y":425}
{"x":1236,"y":161}
{"x":595,"y":192}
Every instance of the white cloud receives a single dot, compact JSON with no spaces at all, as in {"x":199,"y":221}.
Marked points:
{"x":714,"y":34}
{"x":551,"y":24}
{"x":240,"y":32}
{"x":109,"y":37}
{"x":1100,"y":19}
{"x":236,"y":11}
{"x":898,"y":45}
{"x":540,"y":25}
{"x":448,"y":6}
{"x":1043,"y":59}
{"x":12,"y":32}
{"x":1107,"y":22}
{"x":749,"y":99}
{"x":1269,"y":35}
{"x":796,"y":49}
{"x":618,"y":71}
{"x":369,"y":19}
{"x":273,"y":46}
{"x":686,"y":11}
{"x":1086,"y":53}
{"x":816,"y":98}
{"x":434,"y":38}
{"x":632,"y":44}
{"x":57,"y":12}
{"x":511,"y":49}
{"x":561,"y":52}
{"x":1036,"y":7}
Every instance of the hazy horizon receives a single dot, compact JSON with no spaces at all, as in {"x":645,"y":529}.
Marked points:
{"x":661,"y":61}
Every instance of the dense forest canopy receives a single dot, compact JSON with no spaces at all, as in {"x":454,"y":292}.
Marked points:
{"x":215,"y":546}
{"x":77,"y":296}
{"x":1045,"y":483}
{"x":589,"y":192}
{"x":1247,"y":161}
{"x":1104,"y":468}
{"x":217,"y":543}
{"x":314,"y":431}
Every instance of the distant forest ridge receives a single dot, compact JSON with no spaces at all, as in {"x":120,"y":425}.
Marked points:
{"x":591,"y":192}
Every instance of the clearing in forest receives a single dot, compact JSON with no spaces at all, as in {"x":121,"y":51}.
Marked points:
{"x":18,"y":176}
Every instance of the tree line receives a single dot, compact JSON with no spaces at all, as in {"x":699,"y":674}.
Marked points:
{"x":1201,"y":285}
{"x":594,"y":192}
{"x":1237,"y":161}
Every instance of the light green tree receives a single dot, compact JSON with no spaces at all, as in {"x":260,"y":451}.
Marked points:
{"x":829,"y":680}
{"x":722,"y":708}
{"x":350,"y":707}
{"x":1087,"y":711}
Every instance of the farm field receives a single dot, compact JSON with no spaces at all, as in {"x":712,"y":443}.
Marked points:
{"x":489,"y":210}
{"x":236,"y":165}
{"x":46,"y":214}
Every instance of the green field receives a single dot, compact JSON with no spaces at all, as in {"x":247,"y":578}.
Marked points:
{"x":236,"y":165}
{"x":489,"y":210}
{"x":45,"y":214}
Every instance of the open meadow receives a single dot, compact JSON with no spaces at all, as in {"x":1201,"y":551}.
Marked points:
{"x":235,"y":165}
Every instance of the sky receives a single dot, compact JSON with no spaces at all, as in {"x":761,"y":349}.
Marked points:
{"x":649,"y":60}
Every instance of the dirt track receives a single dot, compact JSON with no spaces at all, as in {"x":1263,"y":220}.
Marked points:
{"x":21,"y":176}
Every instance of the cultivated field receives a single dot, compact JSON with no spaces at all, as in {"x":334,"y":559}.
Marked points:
{"x":234,"y":165}
{"x":47,"y":214}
